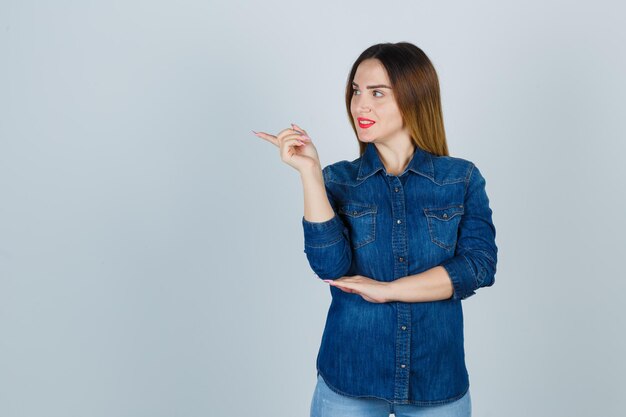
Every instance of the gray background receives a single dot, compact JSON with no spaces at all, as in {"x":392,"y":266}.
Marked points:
{"x":151,"y":250}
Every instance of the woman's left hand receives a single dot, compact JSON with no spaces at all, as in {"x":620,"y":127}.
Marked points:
{"x":368,"y":288}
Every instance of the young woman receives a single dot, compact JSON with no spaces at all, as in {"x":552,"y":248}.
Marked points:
{"x":401,"y":234}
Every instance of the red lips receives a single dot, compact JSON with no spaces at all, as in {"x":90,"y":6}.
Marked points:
{"x":365,"y":123}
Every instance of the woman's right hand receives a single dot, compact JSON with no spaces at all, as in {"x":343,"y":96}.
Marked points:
{"x":295,"y":147}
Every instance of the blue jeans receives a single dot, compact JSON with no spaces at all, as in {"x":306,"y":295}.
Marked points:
{"x":328,"y":403}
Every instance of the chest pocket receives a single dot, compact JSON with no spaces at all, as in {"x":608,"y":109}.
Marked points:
{"x":361,"y":220}
{"x":443,"y":225}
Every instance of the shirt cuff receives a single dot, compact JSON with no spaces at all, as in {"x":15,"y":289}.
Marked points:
{"x":462,"y":276}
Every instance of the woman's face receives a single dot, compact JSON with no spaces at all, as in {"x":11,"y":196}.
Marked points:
{"x":373,"y":99}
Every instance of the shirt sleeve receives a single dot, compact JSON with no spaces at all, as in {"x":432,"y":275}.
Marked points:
{"x":474,"y":262}
{"x":327,"y":244}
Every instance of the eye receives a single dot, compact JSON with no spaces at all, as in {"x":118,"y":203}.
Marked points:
{"x":374,"y":92}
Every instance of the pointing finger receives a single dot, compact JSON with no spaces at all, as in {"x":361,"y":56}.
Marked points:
{"x":270,"y":138}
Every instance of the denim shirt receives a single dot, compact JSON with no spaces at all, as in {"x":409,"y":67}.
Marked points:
{"x":387,"y":227}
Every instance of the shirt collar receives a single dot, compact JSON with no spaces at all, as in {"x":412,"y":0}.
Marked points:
{"x":420,"y":163}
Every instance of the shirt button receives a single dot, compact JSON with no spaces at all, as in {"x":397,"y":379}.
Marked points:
{"x":396,"y":189}
{"x":399,"y":221}
{"x":403,"y":366}
{"x":403,"y":327}
{"x":401,"y":259}
{"x":445,"y":215}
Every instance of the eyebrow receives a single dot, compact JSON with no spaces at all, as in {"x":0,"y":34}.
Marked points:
{"x":374,"y":86}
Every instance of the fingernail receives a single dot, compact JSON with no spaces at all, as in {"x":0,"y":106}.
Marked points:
{"x":306,"y":136}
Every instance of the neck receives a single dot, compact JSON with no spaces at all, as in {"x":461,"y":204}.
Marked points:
{"x":395,"y":159}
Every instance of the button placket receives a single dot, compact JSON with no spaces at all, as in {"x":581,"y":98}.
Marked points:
{"x":403,"y":310}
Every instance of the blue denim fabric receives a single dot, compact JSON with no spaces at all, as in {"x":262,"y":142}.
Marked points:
{"x":387,"y":227}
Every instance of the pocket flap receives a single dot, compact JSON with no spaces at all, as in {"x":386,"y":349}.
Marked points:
{"x":357,"y":209}
{"x":445,"y":213}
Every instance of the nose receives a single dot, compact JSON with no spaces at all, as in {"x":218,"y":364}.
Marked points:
{"x":362,"y":106}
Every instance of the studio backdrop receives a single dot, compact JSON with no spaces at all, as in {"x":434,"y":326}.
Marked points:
{"x":151,"y":247}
